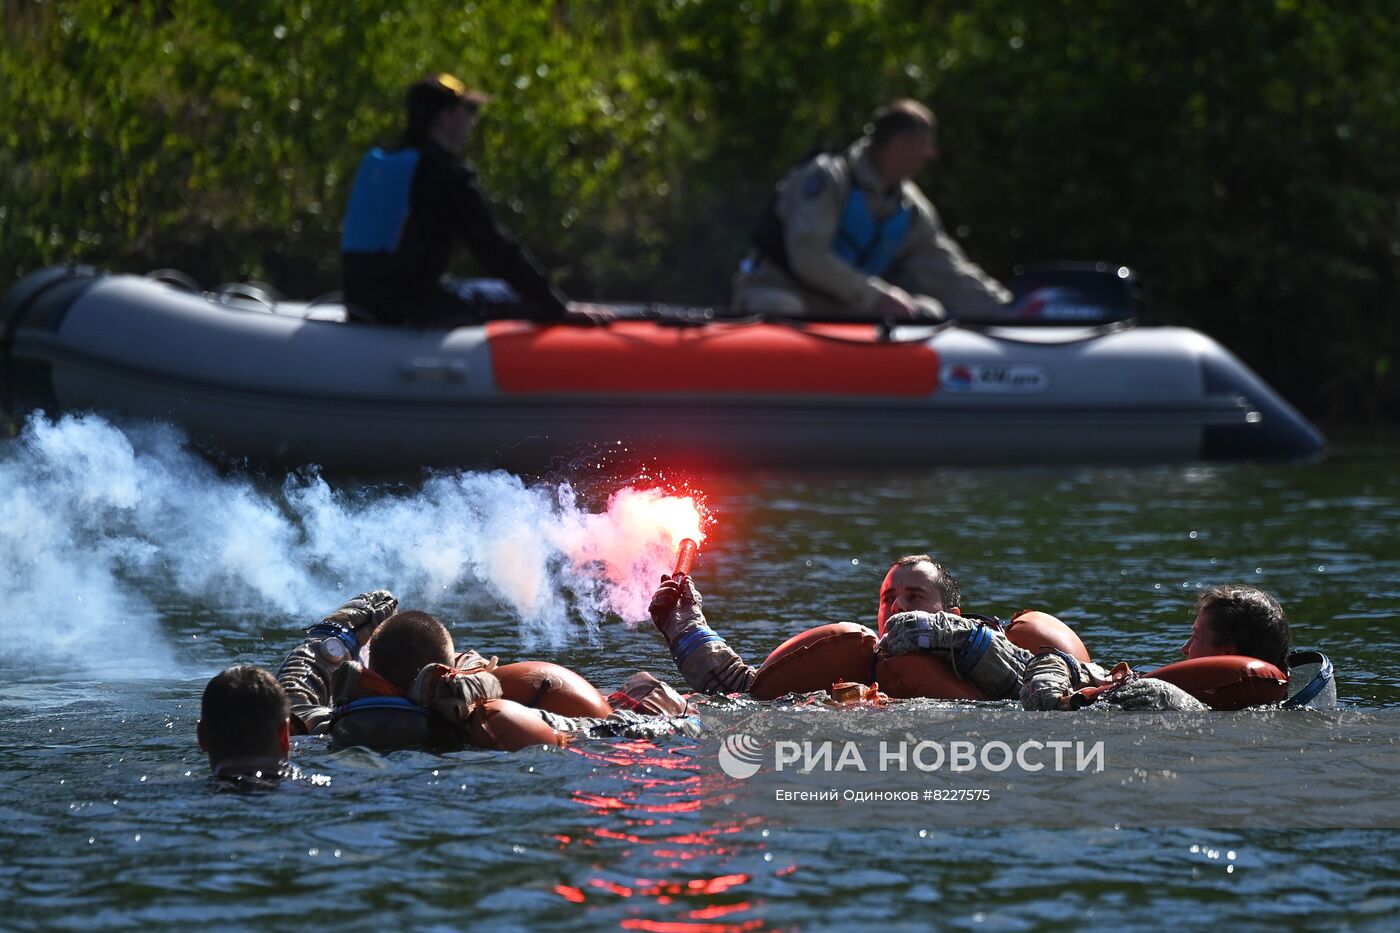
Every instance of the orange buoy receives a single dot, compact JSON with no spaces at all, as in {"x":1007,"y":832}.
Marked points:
{"x":505,"y":726}
{"x":552,"y":687}
{"x":1036,"y":631}
{"x":923,"y":675}
{"x":816,"y":659}
{"x":1227,"y":681}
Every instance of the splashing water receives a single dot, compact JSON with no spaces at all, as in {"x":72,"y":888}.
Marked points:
{"x":93,"y":518}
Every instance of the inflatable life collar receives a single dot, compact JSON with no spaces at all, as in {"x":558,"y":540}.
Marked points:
{"x":1227,"y":681}
{"x":816,"y":659}
{"x":379,"y":717}
{"x":843,"y":651}
{"x":552,"y":687}
{"x":1035,"y":631}
{"x":909,"y":676}
{"x":506,"y":726}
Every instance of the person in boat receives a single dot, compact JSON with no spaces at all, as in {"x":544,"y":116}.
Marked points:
{"x":417,"y":691}
{"x":1230,"y":620}
{"x":407,"y":207}
{"x":245,"y":726}
{"x":844,"y":227}
{"x":919,"y":611}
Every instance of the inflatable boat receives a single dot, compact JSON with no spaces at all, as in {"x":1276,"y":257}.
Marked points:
{"x":294,"y":383}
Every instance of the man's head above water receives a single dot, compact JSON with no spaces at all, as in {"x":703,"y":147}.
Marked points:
{"x":917,"y":582}
{"x":407,"y":642}
{"x":244,"y":723}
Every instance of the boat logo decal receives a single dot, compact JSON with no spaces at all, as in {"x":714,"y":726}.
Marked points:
{"x":1005,"y":378}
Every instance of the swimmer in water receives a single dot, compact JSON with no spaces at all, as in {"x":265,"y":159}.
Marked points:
{"x":919,"y":610}
{"x":1230,"y":620}
{"x":417,"y":691}
{"x":244,"y":726}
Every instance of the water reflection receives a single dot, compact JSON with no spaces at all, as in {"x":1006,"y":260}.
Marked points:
{"x":668,"y":817}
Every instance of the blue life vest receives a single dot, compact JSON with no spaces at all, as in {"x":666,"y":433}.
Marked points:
{"x":379,"y":202}
{"x":868,"y":244}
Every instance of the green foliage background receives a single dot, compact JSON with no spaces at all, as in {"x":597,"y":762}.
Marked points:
{"x":1243,"y":155}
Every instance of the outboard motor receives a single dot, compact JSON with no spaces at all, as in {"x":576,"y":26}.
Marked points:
{"x":1073,"y":293}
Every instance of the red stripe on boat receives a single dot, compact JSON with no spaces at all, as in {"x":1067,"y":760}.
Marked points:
{"x":638,"y":356}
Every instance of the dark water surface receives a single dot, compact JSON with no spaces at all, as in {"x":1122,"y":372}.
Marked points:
{"x":134,"y":573}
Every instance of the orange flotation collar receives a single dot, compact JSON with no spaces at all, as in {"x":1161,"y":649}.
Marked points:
{"x":375,"y":684}
{"x":838,"y":652}
{"x":1227,"y":681}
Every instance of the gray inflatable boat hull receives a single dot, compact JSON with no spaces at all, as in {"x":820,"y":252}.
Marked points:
{"x":291,"y":384}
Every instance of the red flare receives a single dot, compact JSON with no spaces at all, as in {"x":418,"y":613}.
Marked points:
{"x":685,"y":556}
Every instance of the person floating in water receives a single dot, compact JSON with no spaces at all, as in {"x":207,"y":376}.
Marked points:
{"x":843,"y":227}
{"x":417,"y":691}
{"x":919,"y":610}
{"x":410,"y":203}
{"x":245,"y":726}
{"x":1233,"y":620}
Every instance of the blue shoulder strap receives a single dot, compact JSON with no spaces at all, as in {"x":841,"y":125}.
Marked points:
{"x":369,"y":703}
{"x":379,"y":202}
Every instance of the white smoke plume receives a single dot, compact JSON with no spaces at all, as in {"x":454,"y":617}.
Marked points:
{"x":98,"y":524}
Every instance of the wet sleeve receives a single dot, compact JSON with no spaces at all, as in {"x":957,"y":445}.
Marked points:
{"x":980,"y":653}
{"x":1048,"y":680}
{"x":709,"y":665}
{"x":810,"y":206}
{"x":1148,"y":695}
{"x":703,"y":658}
{"x":473,"y":219}
{"x":941,"y":270}
{"x":307,"y":682}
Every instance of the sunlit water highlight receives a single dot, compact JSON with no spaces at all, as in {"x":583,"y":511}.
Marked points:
{"x":134,"y":571}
